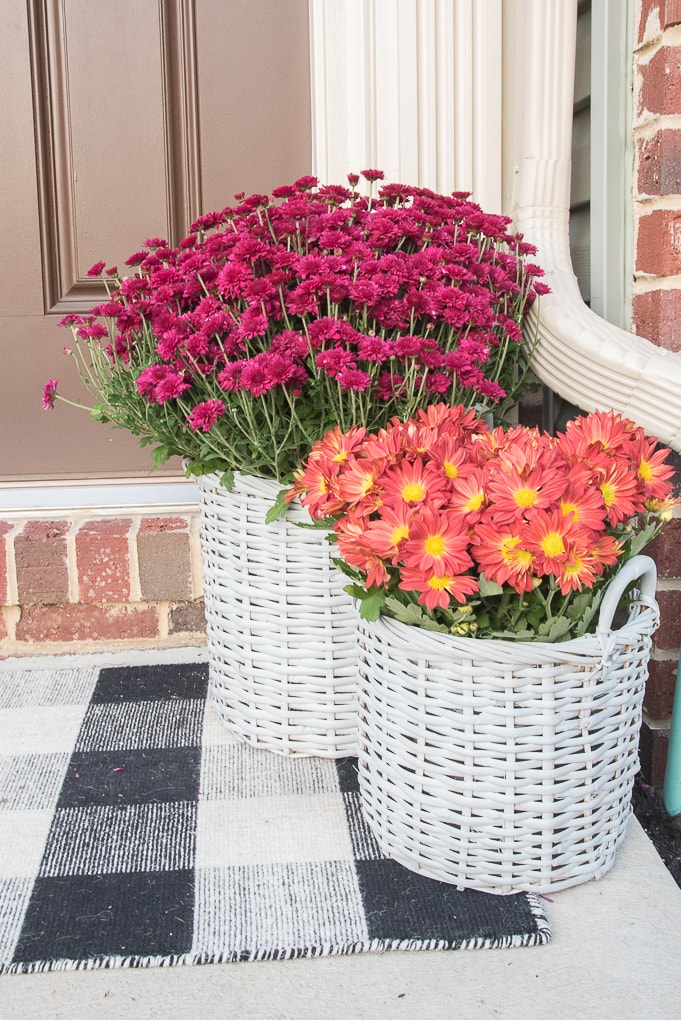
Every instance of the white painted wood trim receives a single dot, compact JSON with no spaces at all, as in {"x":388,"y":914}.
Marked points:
{"x":102,"y":498}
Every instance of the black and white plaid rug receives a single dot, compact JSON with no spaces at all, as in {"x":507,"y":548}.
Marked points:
{"x":135,"y":831}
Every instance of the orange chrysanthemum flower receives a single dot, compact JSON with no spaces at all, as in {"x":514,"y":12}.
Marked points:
{"x":357,"y":551}
{"x":585,"y":504}
{"x":437,"y":542}
{"x":317,"y":488}
{"x":413,"y":482}
{"x":358,"y":485}
{"x":336,"y":445}
{"x":468,"y":496}
{"x":502,"y":557}
{"x":457,"y":420}
{"x":388,"y":533}
{"x":663,"y":508}
{"x":586,"y":562}
{"x":652,"y":473}
{"x":513,"y":495}
{"x":436,"y":590}
{"x":386,"y":446}
{"x":520,"y":448}
{"x":452,"y":456}
{"x":621,"y":494}
{"x":549,"y":535}
{"x":599,"y":432}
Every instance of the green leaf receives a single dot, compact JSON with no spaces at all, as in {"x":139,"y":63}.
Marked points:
{"x":488,"y":587}
{"x":160,"y":455}
{"x":370,"y":601}
{"x":278,"y":508}
{"x":640,"y":540}
{"x":413,"y":615}
{"x":227,"y":479}
{"x":348,"y":571}
{"x":553,"y":629}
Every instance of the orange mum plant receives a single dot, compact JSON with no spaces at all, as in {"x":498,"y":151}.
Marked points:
{"x":447,"y":524}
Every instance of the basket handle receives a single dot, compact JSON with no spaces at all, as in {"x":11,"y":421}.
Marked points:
{"x":642,"y":567}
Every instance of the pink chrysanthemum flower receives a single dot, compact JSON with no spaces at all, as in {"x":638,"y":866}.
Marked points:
{"x":49,"y":394}
{"x":204,"y":416}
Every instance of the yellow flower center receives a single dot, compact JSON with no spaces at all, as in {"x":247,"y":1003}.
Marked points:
{"x":570,"y":508}
{"x":399,"y":533}
{"x":552,"y":544}
{"x":475,"y":502}
{"x":645,"y":472}
{"x":366,"y":484}
{"x":525,"y":497}
{"x":440,"y":582}
{"x":451,"y":470}
{"x":573,"y":566}
{"x":413,"y":492}
{"x":434,"y":545}
{"x":512,"y":555}
{"x":340,"y":457}
{"x":609,"y":493}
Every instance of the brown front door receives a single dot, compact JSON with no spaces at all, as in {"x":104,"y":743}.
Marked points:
{"x":120,"y":122}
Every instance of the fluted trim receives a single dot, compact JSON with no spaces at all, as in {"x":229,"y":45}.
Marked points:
{"x":391,"y":78}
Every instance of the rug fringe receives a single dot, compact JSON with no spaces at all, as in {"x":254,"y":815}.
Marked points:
{"x":542,"y":936}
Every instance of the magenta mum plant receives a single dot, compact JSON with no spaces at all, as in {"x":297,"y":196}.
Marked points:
{"x":285,"y":315}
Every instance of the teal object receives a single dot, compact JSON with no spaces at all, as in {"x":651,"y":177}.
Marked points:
{"x":671,"y":793}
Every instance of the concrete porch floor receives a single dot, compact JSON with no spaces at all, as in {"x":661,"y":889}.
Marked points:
{"x":615,"y":955}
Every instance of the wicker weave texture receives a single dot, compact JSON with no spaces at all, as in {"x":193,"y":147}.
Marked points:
{"x":501,"y":766}
{"x":281,"y":630}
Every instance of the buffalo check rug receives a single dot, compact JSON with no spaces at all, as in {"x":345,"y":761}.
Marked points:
{"x":136,"y":831}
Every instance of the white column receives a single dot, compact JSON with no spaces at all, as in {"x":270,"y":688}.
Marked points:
{"x":411,"y":87}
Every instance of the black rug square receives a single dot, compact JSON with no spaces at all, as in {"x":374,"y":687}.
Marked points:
{"x":124,"y":915}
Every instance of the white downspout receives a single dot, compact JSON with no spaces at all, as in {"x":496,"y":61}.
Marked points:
{"x":583,"y":358}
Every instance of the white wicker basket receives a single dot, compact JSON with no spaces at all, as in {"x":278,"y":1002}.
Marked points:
{"x":504,"y":766}
{"x":281,"y":630}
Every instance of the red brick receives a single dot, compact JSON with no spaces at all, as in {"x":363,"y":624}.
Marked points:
{"x":672,"y":13}
{"x":187,"y":618}
{"x":660,"y":83}
{"x":80,"y":622}
{"x":156,"y":524}
{"x":649,"y":7}
{"x":668,"y":635}
{"x":665,"y":14}
{"x":3,"y":629}
{"x":103,"y":559}
{"x":666,"y":549}
{"x":164,"y":559}
{"x":659,"y":164}
{"x":5,"y":529}
{"x":657,"y":317}
{"x":659,"y":697}
{"x":658,"y":247}
{"x":41,"y":563}
{"x":653,"y":747}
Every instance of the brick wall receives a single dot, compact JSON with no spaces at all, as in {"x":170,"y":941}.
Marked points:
{"x":656,"y":311}
{"x":117,"y":582}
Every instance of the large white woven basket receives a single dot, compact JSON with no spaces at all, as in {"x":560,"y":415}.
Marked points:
{"x":504,"y":766}
{"x":280,"y":627}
